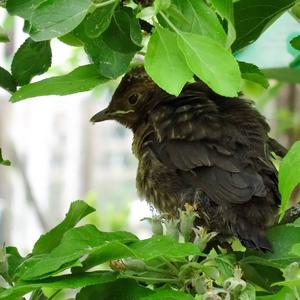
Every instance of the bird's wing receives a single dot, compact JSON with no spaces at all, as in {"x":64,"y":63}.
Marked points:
{"x":208,"y":154}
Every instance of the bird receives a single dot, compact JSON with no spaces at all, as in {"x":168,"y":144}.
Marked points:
{"x":203,"y":149}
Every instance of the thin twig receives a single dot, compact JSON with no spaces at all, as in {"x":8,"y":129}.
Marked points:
{"x":169,"y":264}
{"x":291,"y":214}
{"x":150,"y":279}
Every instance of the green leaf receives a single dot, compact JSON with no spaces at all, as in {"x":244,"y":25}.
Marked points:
{"x":295,"y":42}
{"x":283,"y":238}
{"x":22,"y":8}
{"x":289,"y":283}
{"x":146,"y":13}
{"x":47,"y":242}
{"x":165,"y":63}
{"x":197,"y":17}
{"x":71,"y":40}
{"x":296,"y":249}
{"x":111,"y":251}
{"x":73,"y":281}
{"x":283,"y":294}
{"x":253,"y":17}
{"x":161,"y":5}
{"x":14,"y":259}
{"x":23,"y":69}
{"x":296,"y":222}
{"x":211,"y":63}
{"x":98,"y":21}
{"x":119,"y":290}
{"x":295,"y":11}
{"x":225,"y":264}
{"x":109,"y":63}
{"x":55,"y":18}
{"x":225,"y":10}
{"x":6,"y":81}
{"x":2,"y":160}
{"x":4,"y":267}
{"x":159,"y":245}
{"x":100,"y":246}
{"x":252,"y":258}
{"x":295,"y":64}
{"x":76,"y":243}
{"x":26,"y":26}
{"x":169,"y":295}
{"x":148,"y":249}
{"x":253,"y":73}
{"x":249,"y":293}
{"x":283,"y":74}
{"x":82,"y":79}
{"x":3,"y":36}
{"x":124,"y":32}
{"x":263,"y":276}
{"x":289,"y":175}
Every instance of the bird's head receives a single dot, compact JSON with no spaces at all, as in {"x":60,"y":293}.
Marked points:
{"x":130,"y":102}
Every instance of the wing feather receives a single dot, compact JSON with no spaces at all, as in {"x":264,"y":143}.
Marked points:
{"x":210,"y":154}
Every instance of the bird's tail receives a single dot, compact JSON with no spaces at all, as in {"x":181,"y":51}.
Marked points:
{"x":254,"y":238}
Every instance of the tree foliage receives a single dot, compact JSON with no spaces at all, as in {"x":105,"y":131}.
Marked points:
{"x":118,"y":265}
{"x":179,"y":40}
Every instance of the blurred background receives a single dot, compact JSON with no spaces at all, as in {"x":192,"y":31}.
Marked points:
{"x":58,"y":156}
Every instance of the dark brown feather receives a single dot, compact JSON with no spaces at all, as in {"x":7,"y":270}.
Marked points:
{"x":202,"y":148}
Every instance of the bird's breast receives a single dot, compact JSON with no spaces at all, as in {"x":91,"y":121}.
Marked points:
{"x":152,"y":182}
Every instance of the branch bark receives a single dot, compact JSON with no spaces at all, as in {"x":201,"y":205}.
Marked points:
{"x":291,"y":214}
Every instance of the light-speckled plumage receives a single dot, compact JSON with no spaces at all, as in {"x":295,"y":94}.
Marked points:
{"x":201,"y":148}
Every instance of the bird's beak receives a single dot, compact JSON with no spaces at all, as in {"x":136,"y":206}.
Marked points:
{"x":102,"y":115}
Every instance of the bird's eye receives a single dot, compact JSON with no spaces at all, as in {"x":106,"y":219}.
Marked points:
{"x":133,"y":99}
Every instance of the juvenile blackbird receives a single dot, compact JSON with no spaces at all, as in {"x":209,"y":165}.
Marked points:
{"x":201,"y":148}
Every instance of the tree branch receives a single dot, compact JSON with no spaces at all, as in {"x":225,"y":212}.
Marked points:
{"x":291,"y":214}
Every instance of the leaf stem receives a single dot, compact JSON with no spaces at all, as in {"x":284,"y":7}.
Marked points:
{"x":149,"y":279}
{"x":55,"y":294}
{"x":169,"y":22}
{"x":157,"y":270}
{"x":36,"y":294}
{"x":169,"y":264}
{"x":295,"y":290}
